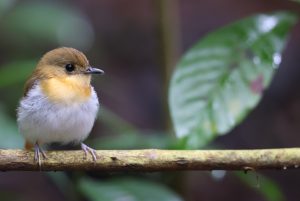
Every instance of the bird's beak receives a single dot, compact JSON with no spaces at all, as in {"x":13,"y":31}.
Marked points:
{"x":92,"y":70}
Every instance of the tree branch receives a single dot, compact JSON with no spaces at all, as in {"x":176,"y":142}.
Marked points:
{"x":154,"y":160}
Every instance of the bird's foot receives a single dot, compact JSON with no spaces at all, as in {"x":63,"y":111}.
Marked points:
{"x":38,"y":153}
{"x":87,"y":149}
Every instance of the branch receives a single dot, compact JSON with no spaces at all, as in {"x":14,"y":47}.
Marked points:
{"x":154,"y":160}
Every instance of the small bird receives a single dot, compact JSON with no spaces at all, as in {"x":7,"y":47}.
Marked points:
{"x":59,"y":104}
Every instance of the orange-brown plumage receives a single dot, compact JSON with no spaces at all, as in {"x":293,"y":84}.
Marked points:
{"x":67,"y":90}
{"x":51,"y":65}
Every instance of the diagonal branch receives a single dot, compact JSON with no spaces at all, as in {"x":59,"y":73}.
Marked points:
{"x":154,"y":160}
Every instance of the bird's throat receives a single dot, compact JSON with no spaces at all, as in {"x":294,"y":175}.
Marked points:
{"x":67,"y":90}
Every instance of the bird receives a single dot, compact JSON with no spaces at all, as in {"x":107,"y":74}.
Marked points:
{"x":59,"y":104}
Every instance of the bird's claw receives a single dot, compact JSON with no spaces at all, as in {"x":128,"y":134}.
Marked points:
{"x":87,"y":149}
{"x":38,"y":152}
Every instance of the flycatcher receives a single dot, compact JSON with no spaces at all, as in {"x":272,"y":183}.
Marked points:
{"x":59,"y":104}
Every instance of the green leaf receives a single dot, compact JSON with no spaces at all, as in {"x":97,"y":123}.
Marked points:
{"x":268,"y":188}
{"x":221,"y":78}
{"x":15,"y":72}
{"x":125,"y":189}
{"x":9,"y":135}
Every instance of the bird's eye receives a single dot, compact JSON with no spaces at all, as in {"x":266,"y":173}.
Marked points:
{"x":70,"y":67}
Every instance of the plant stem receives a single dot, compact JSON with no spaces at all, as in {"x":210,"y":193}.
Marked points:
{"x":169,"y":46}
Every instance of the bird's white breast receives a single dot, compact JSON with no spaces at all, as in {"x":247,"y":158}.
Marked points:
{"x":44,"y":121}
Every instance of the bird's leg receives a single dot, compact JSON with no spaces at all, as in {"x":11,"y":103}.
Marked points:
{"x":37,"y":154}
{"x":87,"y":149}
{"x":38,"y":151}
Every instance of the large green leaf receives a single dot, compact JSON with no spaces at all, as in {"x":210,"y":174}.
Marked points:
{"x":125,"y":189}
{"x":222,"y":77}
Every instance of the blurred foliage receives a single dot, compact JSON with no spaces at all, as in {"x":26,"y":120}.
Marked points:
{"x":139,"y":140}
{"x":65,"y":26}
{"x":123,"y":135}
{"x":128,"y":189}
{"x":209,"y":86}
{"x":221,"y":78}
{"x":9,"y":195}
{"x":64,"y":184}
{"x":268,"y":188}
{"x":5,"y":5}
{"x":115,"y":123}
{"x":11,"y":73}
{"x":9,"y":137}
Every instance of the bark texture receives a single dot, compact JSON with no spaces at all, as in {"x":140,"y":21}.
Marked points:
{"x":153,"y":160}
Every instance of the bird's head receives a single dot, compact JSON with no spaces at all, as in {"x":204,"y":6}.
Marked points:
{"x":63,"y":70}
{"x":66,"y":62}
